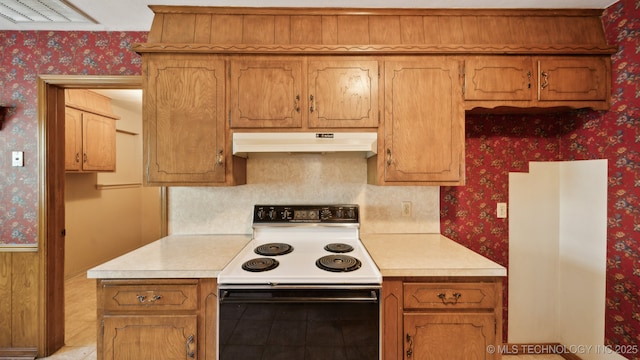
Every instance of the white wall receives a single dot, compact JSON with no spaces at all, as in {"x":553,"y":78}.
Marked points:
{"x":298,"y":179}
{"x":557,"y":256}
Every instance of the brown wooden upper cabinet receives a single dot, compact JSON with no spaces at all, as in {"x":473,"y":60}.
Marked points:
{"x":90,"y":132}
{"x":186,"y":138}
{"x":421,"y":141}
{"x":537,"y":82}
{"x":300,"y":92}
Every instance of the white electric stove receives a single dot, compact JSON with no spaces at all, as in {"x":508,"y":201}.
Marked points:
{"x":303,"y":288}
{"x":303,"y":245}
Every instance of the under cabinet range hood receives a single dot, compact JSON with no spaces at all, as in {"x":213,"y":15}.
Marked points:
{"x":305,"y":142}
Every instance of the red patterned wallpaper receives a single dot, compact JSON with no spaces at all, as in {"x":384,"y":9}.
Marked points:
{"x":495,"y":145}
{"x":615,"y":135}
{"x":23,"y":56}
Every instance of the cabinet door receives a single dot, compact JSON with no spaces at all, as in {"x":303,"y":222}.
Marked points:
{"x":184,"y":122}
{"x":343,"y":94}
{"x":150,"y":337}
{"x":72,"y":139}
{"x":499,"y":78}
{"x":424,"y":122}
{"x":449,"y":336}
{"x":573,"y":79}
{"x":99,"y":143}
{"x":266,"y":93}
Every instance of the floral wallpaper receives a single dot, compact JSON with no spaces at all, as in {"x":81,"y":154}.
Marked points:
{"x":615,"y":135}
{"x":23,"y":56}
{"x":496,"y":145}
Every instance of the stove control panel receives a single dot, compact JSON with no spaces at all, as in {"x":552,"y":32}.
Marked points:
{"x":306,"y":214}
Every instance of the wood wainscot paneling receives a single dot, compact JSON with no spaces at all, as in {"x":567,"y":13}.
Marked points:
{"x":19,"y":289}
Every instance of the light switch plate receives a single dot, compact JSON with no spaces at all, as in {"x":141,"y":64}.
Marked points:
{"x":501,"y":210}
{"x":17,"y":158}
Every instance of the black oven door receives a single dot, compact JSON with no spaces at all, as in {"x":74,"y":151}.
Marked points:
{"x":299,"y":323}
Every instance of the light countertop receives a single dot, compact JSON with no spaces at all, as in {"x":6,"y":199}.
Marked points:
{"x":174,"y":256}
{"x":204,"y":256}
{"x":426,"y":255}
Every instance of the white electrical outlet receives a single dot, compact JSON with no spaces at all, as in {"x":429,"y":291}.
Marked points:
{"x":501,"y":210}
{"x":406,"y":208}
{"x":17,"y":158}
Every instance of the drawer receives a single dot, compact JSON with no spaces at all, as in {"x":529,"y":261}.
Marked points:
{"x":150,"y":297}
{"x":449,"y":295}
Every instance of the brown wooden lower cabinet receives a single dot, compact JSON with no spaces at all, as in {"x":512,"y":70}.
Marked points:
{"x":157,"y":319}
{"x":441,"y":318}
{"x":150,"y":337}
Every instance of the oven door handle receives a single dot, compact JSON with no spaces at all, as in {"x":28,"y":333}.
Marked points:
{"x":229,"y":296}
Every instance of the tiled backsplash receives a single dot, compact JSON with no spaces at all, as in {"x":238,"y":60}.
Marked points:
{"x":303,"y":179}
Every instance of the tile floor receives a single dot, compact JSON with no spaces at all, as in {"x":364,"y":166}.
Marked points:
{"x":81,"y":330}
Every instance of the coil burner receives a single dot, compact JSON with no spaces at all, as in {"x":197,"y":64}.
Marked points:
{"x":338,"y":248}
{"x":260,"y":264}
{"x":338,"y":263}
{"x":273,"y":249}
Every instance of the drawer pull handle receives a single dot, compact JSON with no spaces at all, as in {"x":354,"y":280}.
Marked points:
{"x":410,"y":350}
{"x":191,"y":352}
{"x":449,"y":300}
{"x":143,"y":298}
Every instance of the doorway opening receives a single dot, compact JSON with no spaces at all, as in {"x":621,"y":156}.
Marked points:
{"x":51,"y":223}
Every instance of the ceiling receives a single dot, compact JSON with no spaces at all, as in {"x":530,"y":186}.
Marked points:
{"x":135,"y":15}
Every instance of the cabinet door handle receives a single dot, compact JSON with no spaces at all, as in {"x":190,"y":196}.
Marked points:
{"x":296,"y":103}
{"x":545,"y":79}
{"x":410,"y":349}
{"x":84,"y":158}
{"x":191,"y":349}
{"x":528,"y":79}
{"x":77,"y":157}
{"x":451,"y":300}
{"x":313,"y":103}
{"x":389,"y":158}
{"x":220,"y":157}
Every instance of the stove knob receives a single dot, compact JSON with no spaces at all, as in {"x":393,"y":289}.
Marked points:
{"x":339,"y":213}
{"x":261,"y":214}
{"x":286,"y":214}
{"x":351,"y":213}
{"x":272,"y":214}
{"x":325,"y":214}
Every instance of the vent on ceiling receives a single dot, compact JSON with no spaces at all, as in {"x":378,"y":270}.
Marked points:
{"x":42,"y":11}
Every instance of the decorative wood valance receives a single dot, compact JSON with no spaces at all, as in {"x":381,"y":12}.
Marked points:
{"x":374,"y":31}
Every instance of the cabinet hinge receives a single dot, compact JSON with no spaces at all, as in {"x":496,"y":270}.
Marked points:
{"x":63,"y":233}
{"x":379,"y":121}
{"x":102,"y":328}
{"x":229,"y":118}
